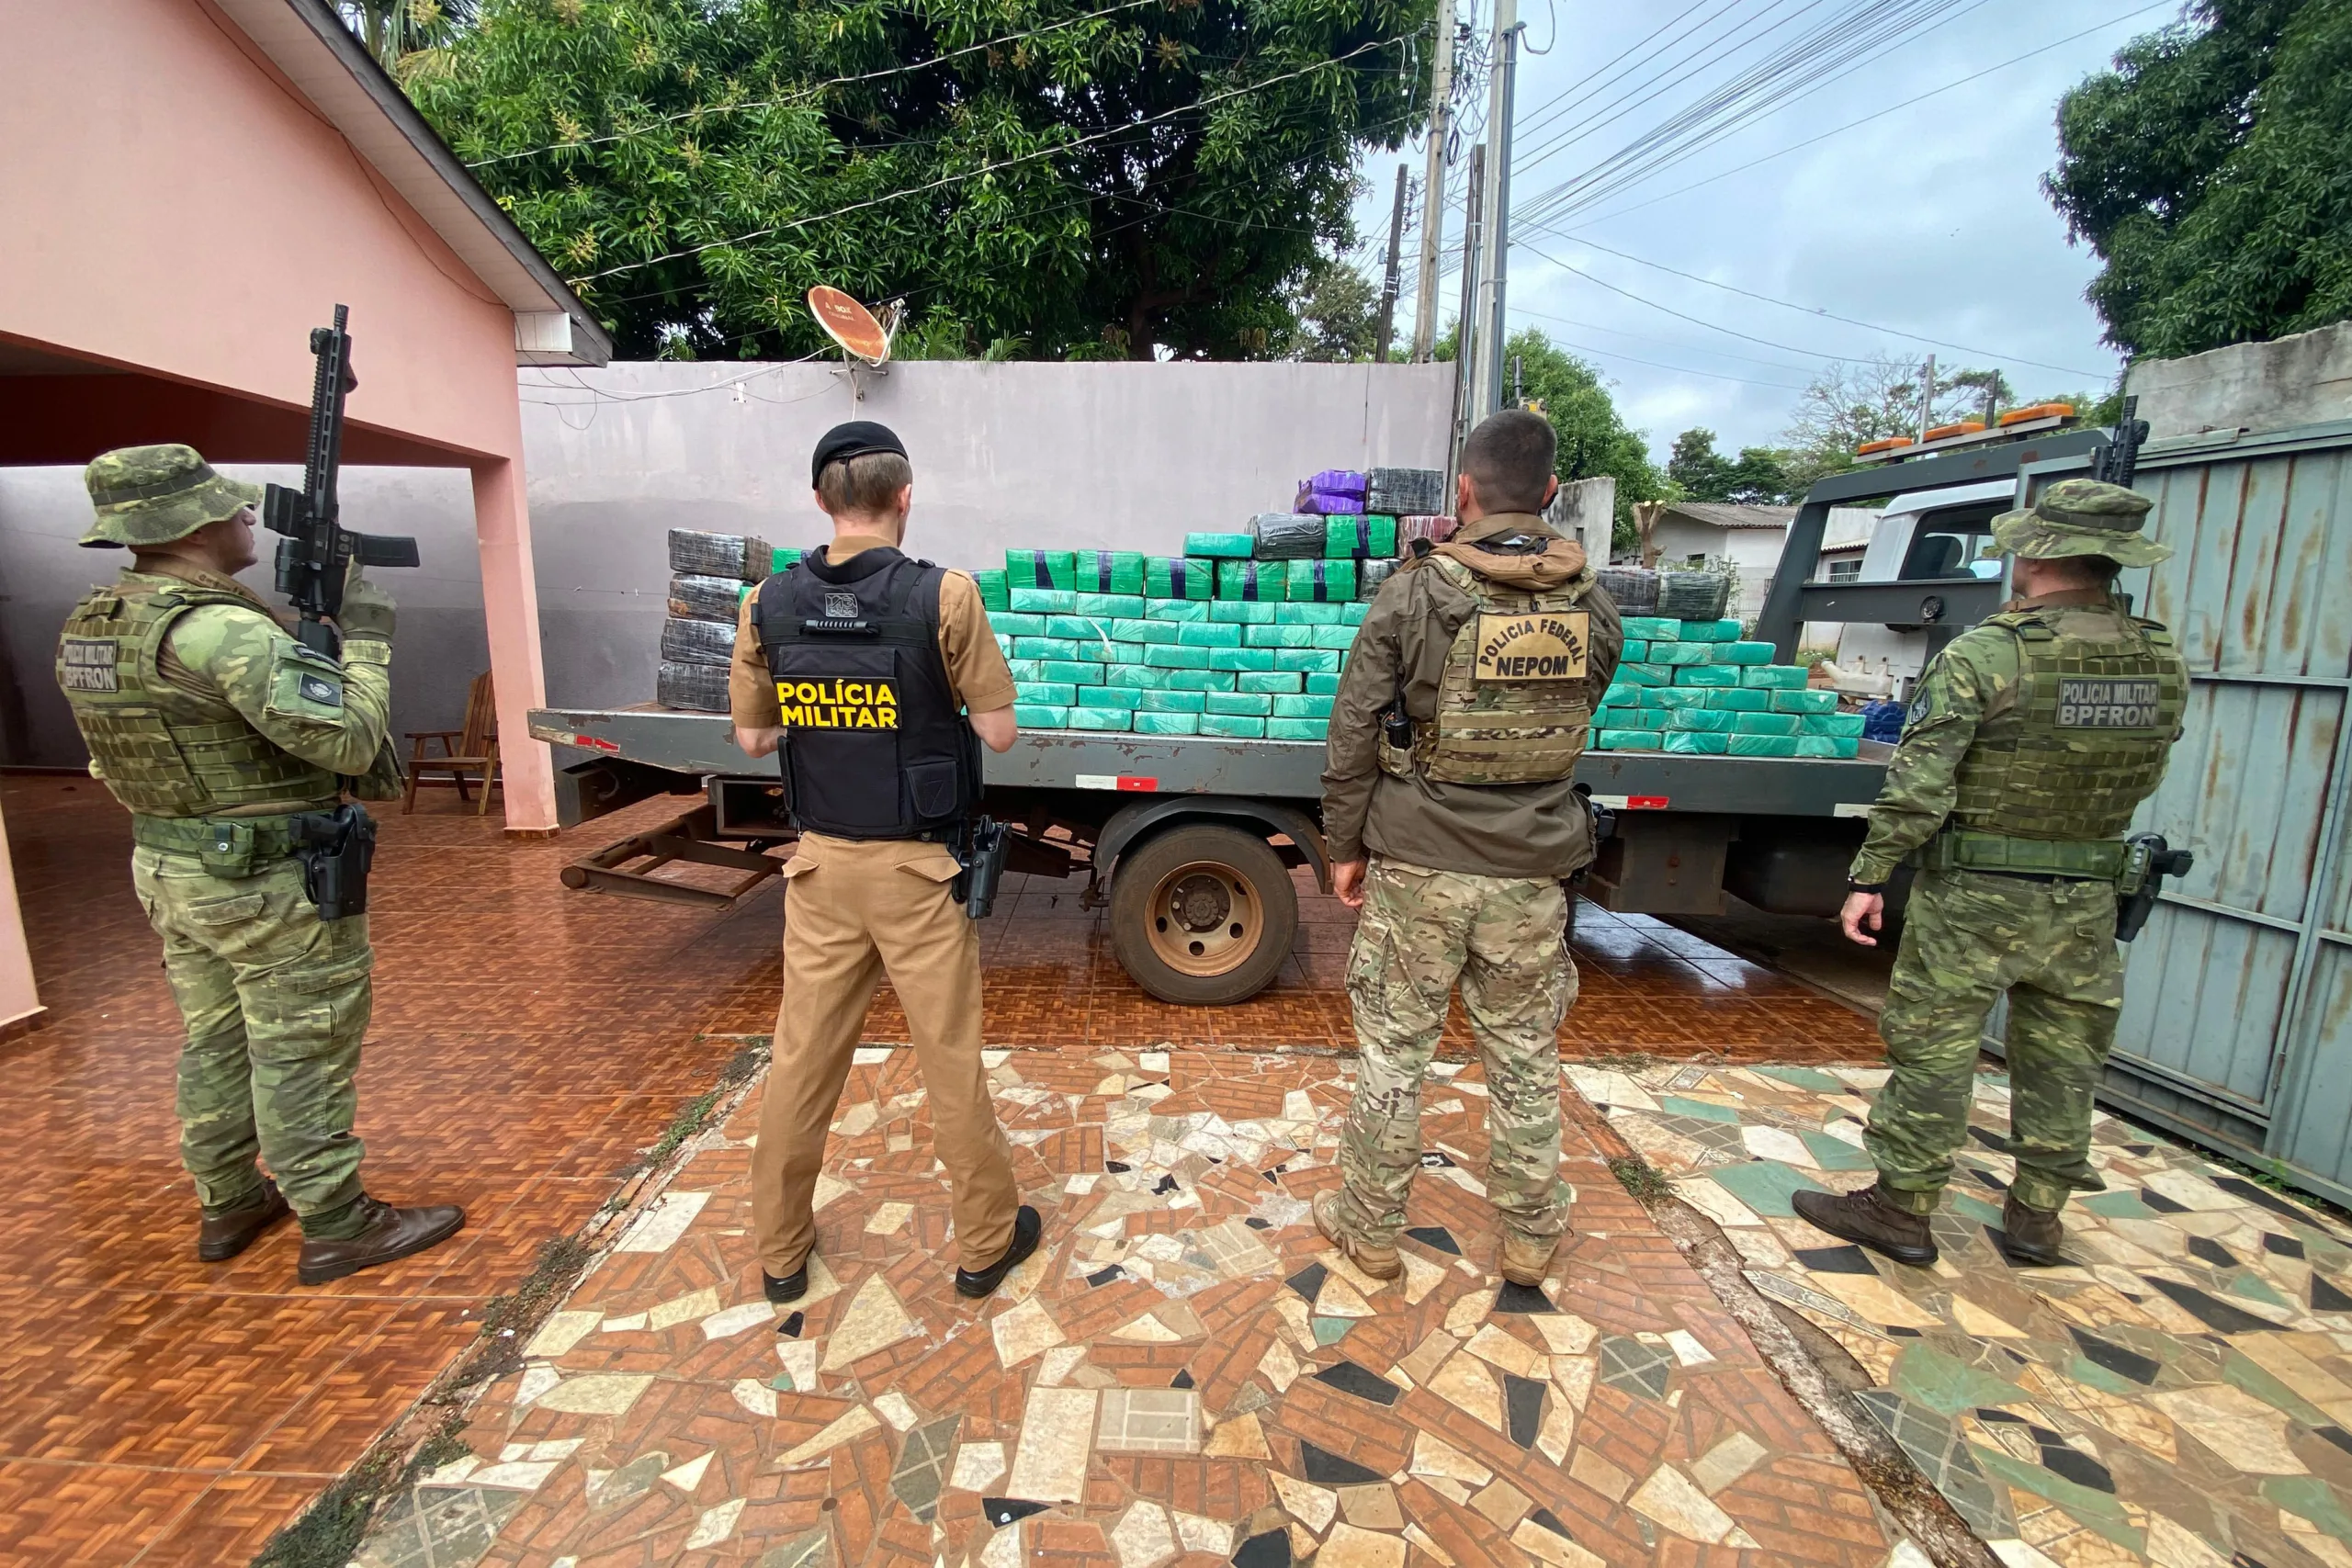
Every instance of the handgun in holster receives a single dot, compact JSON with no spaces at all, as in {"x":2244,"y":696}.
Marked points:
{"x":335,"y":848}
{"x":980,"y":858}
{"x":2148,"y":860}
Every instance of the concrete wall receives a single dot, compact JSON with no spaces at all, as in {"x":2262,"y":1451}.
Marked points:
{"x":2303,"y":379}
{"x":1126,"y":456}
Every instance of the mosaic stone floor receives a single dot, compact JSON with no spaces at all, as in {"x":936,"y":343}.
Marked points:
{"x":1185,"y":1373}
{"x":2179,"y":1394}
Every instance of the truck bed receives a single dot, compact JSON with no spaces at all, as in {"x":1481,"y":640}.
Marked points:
{"x":701,"y":743}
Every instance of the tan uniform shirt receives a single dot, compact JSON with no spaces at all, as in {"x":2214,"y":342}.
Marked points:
{"x":976,"y":666}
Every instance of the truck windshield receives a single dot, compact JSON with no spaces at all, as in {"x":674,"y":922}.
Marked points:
{"x":1948,"y":545}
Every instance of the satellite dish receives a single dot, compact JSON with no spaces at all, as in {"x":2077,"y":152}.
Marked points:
{"x":849,"y":323}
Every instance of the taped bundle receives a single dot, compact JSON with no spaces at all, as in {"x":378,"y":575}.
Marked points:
{"x":783,"y":558}
{"x":1177,"y":577}
{"x":1437,"y":530}
{"x":1334,"y":491}
{"x":693,"y":597}
{"x":1223,"y":546}
{"x":701,"y":688}
{"x":1402,"y":491}
{"x":1285,"y":535}
{"x":739,"y":555}
{"x":1040,"y":569}
{"x":994,"y":595}
{"x":1109,"y":571}
{"x":1322,"y":581}
{"x":698,"y":642}
{"x":1267,"y":582}
{"x":1634,"y":588}
{"x":1371,"y":574}
{"x":1372,"y":534}
{"x":1693,"y":596}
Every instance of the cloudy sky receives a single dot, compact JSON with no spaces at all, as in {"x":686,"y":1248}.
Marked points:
{"x":1927,"y":220}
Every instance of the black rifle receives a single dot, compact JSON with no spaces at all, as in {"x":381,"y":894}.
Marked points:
{"x":2120,"y":456}
{"x":317,"y":551}
{"x":980,"y":857}
{"x":2148,"y":860}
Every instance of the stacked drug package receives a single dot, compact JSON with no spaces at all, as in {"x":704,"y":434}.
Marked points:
{"x":1694,"y":687}
{"x":709,"y":574}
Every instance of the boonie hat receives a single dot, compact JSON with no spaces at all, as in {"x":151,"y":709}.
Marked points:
{"x":2080,"y":517}
{"x":152,"y":495}
{"x":855,"y":439}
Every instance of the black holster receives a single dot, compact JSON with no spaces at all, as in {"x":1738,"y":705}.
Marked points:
{"x":335,"y":848}
{"x":980,"y":853}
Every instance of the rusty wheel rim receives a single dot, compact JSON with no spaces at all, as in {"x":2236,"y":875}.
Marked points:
{"x":1205,"y":919}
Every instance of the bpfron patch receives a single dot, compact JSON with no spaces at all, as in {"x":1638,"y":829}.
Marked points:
{"x":87,"y":664}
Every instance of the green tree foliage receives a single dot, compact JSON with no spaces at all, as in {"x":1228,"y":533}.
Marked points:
{"x":1757,"y":476}
{"x":2207,"y":170}
{"x":1337,"y":312}
{"x":1099,"y":177}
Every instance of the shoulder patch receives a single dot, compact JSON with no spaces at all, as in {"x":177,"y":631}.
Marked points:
{"x":304,"y":685}
{"x":87,"y":664}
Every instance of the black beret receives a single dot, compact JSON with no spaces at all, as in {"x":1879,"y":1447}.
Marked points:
{"x":854,"y":439}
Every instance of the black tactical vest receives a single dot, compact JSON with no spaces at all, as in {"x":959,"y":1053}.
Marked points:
{"x":876,"y":743}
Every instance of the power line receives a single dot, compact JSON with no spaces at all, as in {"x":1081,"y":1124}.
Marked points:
{"x":1664,"y":342}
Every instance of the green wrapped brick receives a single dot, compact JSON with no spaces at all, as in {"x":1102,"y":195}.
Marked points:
{"x":1763,"y":745}
{"x":995,"y":592}
{"x":1353,"y":614}
{"x":1681,"y":742}
{"x":1766,"y":723}
{"x":1678,"y":655}
{"x":1709,"y":631}
{"x":1242,"y":612}
{"x":1102,"y":719}
{"x":1108,"y":607}
{"x":1126,"y":697}
{"x":1653,"y":629}
{"x":1631,"y":740}
{"x":1337,"y":639}
{"x":1006,"y":623}
{"x":1178,"y":577}
{"x":1029,"y":716}
{"x":1103,"y":650}
{"x":1162,"y":656}
{"x":1240,"y":659}
{"x":1322,"y":685}
{"x":1251,"y":704}
{"x":1172,"y":702}
{"x":1302,"y":707}
{"x":1636,"y":650}
{"x":1708,"y":675}
{"x":1740,"y":699}
{"x":1279,"y":636}
{"x":1621,"y":693}
{"x":1272,"y":683}
{"x":1043,"y":601}
{"x":1305,"y":660}
{"x":1774,"y":677}
{"x":1040,"y":569}
{"x":1372,"y":534}
{"x":1221,"y":547}
{"x":1076,"y":628}
{"x":1108,"y":571}
{"x":1051,"y":693}
{"x":1024,"y":668}
{"x":1711,"y":721}
{"x":1147,"y":631}
{"x":1044,"y":648}
{"x":1134,"y":677}
{"x":1845,"y":726}
{"x":1839,"y":746}
{"x":1167,"y":723}
{"x":1265,"y":582}
{"x":1804,"y":700}
{"x":1210,"y":635}
{"x":1200,"y":679}
{"x":1309,"y":612}
{"x":1298,"y":730}
{"x":1233,"y":727}
{"x":1639,"y":718}
{"x":1672,"y":697}
{"x":1743,"y":653}
{"x":1075,"y":672}
{"x":1003,"y":646}
{"x":1177,"y":611}
{"x":1644,"y":675}
{"x":1321,"y":582}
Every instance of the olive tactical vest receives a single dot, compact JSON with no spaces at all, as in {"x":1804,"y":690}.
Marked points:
{"x":2086,"y":742}
{"x":161,"y":750}
{"x":1515,"y":702}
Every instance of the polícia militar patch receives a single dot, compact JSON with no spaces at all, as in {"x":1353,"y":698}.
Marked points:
{"x":87,"y":664}
{"x":2092,"y":702}
{"x":839,"y":705}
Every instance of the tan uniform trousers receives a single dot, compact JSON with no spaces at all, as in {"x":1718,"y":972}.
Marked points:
{"x":854,"y":912}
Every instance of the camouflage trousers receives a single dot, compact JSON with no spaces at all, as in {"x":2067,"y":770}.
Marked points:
{"x":1968,"y":937}
{"x":276,"y":1001}
{"x":1504,"y":938}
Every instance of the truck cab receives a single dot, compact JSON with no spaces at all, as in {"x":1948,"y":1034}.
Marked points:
{"x":1923,"y":536}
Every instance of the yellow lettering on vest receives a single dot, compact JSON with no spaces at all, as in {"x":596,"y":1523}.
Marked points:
{"x":1539,"y":646}
{"x":838,"y":703}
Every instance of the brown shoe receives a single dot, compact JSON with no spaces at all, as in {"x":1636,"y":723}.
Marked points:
{"x":1526,"y":1260}
{"x":2032,"y":1235}
{"x":1380,"y":1262}
{"x":390,"y":1233}
{"x":1867,"y":1217}
{"x":223,"y":1236}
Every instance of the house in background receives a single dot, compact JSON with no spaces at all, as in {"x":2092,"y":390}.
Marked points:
{"x":1750,"y":538}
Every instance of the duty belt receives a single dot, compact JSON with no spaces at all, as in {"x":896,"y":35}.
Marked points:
{"x":1970,"y":849}
{"x":271,"y":837}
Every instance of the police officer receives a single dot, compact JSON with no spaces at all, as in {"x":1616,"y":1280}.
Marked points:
{"x":217,"y":729}
{"x":2030,"y":741}
{"x":878,"y":678}
{"x":1497,"y":644}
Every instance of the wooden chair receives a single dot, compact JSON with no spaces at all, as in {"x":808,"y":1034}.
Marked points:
{"x":464,"y":753}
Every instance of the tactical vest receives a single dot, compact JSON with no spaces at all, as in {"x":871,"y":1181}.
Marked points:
{"x":164,"y":751}
{"x":2087,"y":739}
{"x":875,"y":745}
{"x":1515,"y":703}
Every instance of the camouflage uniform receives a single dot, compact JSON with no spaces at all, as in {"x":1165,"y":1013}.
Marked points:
{"x":214,"y":726}
{"x":1993,"y":770}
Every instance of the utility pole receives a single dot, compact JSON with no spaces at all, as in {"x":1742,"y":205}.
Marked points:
{"x":1465,"y":338}
{"x":1433,"y":185}
{"x":1486,"y":372}
{"x":1389,"y":285}
{"x":1926,"y":395}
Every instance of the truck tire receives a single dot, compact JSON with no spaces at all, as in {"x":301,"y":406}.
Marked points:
{"x":1202,"y":915}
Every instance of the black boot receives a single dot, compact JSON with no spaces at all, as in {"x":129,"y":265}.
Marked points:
{"x":789,"y":1288}
{"x":1869,"y":1218}
{"x":1027,"y":1225}
{"x":2032,"y":1235}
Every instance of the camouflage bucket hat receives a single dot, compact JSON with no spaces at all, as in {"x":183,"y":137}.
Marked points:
{"x":2080,"y":517}
{"x":152,"y":495}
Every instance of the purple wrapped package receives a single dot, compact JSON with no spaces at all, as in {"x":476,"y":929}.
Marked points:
{"x":1339,"y":481}
{"x":1334,"y":493}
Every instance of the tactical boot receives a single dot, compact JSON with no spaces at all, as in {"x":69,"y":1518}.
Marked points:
{"x":1027,"y":1226}
{"x":1869,"y":1218}
{"x":1526,"y":1260}
{"x":389,"y":1234}
{"x":789,"y":1288}
{"x":223,"y":1236}
{"x":1380,"y":1262}
{"x":2032,"y":1235}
